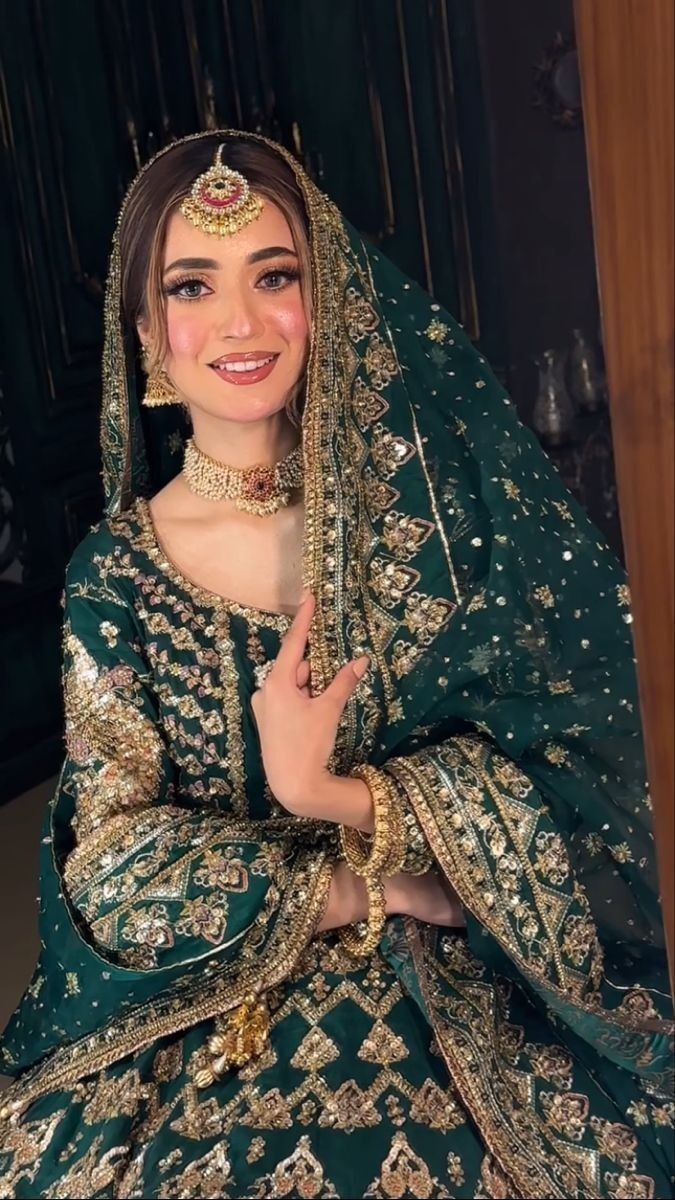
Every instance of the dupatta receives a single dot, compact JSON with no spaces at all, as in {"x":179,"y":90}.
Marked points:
{"x":502,"y":693}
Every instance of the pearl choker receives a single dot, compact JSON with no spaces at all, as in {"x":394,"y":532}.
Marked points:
{"x":259,"y":490}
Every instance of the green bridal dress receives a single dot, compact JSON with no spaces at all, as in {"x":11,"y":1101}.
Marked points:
{"x":527,"y":1056}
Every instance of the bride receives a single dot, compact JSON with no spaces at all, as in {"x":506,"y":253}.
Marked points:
{"x":347,"y":887}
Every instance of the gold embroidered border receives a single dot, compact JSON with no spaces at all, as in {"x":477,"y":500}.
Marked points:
{"x":520,"y":1160}
{"x":169,"y":1015}
{"x":444,"y":844}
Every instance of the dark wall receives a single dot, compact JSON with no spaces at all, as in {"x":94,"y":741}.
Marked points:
{"x":540,"y":191}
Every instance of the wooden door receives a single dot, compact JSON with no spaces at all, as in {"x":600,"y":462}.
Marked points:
{"x":626,"y":52}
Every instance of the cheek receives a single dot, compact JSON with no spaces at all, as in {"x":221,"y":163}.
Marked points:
{"x":187,"y":334}
{"x":290,"y":321}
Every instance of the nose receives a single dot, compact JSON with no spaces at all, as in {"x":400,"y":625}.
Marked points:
{"x":238,"y":318}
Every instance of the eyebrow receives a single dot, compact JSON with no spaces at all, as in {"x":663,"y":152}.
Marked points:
{"x":210,"y":264}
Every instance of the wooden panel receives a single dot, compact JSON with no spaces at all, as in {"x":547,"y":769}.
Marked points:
{"x":626,"y":51}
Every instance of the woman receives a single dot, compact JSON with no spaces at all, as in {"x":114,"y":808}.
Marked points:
{"x":348,"y":893}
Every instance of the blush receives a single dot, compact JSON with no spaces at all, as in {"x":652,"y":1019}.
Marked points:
{"x":186,"y":335}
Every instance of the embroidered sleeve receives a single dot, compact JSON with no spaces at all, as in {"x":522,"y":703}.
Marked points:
{"x":156,"y":883}
{"x":494,"y":838}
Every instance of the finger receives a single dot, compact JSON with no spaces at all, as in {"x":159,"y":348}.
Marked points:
{"x":303,"y":673}
{"x":294,"y":643}
{"x":346,"y":681}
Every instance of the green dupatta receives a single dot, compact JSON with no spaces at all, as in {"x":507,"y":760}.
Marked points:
{"x":502,"y":695}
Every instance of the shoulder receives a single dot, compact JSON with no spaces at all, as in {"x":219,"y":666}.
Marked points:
{"x":108,"y":550}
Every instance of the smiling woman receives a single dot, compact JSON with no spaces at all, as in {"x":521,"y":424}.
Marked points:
{"x":368,"y":868}
{"x":168,"y":259}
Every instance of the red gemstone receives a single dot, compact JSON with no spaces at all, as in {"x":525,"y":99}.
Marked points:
{"x":234,"y":197}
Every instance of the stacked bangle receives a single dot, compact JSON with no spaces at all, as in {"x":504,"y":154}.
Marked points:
{"x":384,"y":856}
{"x":419,"y":857}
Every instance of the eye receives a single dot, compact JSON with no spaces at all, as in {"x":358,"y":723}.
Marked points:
{"x":186,"y":289}
{"x":278,"y":278}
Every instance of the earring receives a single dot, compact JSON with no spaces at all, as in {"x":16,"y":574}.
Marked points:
{"x":159,"y":389}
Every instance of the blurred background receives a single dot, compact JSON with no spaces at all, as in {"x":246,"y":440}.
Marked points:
{"x":450,"y":132}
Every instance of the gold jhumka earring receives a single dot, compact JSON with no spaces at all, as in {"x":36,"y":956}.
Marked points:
{"x":159,"y":389}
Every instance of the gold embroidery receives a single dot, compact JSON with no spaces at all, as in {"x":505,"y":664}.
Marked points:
{"x":389,"y":451}
{"x":404,"y":535}
{"x":378,"y":494}
{"x":117,"y":747}
{"x":359,"y":316}
{"x":404,"y":1173}
{"x":391,"y":580}
{"x":379,"y":362}
{"x":425,"y":616}
{"x":315,"y":1051}
{"x":382,"y":1045}
{"x":368,"y":405}
{"x":436,"y":1107}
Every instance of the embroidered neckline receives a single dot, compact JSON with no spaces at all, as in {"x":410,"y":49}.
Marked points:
{"x":155,"y":551}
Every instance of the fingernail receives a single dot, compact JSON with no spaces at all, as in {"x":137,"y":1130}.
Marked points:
{"x":361,"y":666}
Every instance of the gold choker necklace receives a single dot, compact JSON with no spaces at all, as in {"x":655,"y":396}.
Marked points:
{"x":258,"y":490}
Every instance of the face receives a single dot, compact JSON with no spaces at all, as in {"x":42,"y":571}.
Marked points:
{"x":236,"y":325}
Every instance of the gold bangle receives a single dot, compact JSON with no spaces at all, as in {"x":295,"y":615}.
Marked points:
{"x":385,"y":852}
{"x":362,"y":945}
{"x":383,"y":856}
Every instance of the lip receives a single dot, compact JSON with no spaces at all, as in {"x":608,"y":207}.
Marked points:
{"x":243,"y":378}
{"x":244,"y":356}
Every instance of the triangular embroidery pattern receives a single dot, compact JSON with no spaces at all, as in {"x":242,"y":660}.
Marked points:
{"x":383,"y":626}
{"x":171,"y":885}
{"x":270,"y":1111}
{"x":382,"y":1045}
{"x":349,"y":1108}
{"x":554,"y":905}
{"x":437,"y":1108}
{"x":523,"y":820}
{"x":315,"y":1051}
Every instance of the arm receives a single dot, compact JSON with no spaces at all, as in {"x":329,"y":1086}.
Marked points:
{"x":155,"y":884}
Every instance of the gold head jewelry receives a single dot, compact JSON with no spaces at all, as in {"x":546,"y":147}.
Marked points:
{"x":259,"y":490}
{"x":221,"y":200}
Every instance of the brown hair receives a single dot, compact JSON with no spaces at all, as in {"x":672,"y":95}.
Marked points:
{"x":157,"y":195}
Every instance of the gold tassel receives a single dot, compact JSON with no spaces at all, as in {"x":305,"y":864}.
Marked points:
{"x":243,"y":1038}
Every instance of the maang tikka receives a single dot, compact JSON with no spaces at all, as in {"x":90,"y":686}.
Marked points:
{"x":221,"y":200}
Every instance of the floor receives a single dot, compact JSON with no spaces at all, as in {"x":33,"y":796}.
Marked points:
{"x":20,"y":824}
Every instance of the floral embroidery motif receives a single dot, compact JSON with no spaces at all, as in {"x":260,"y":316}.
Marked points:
{"x":389,"y":451}
{"x":368,"y":405}
{"x":360,"y":316}
{"x":404,"y":535}
{"x":425,"y":616}
{"x":379,"y":362}
{"x":436,"y":331}
{"x":391,"y":580}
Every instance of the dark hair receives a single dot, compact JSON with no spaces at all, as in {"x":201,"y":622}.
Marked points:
{"x":157,"y":194}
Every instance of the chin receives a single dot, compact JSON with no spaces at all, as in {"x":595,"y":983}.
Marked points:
{"x":242,"y":409}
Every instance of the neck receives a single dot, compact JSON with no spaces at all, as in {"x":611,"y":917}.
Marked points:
{"x":245,"y":444}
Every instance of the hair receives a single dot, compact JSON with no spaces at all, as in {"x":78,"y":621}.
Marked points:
{"x":157,"y":195}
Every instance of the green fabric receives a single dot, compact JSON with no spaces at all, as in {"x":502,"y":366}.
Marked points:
{"x":530,"y":1057}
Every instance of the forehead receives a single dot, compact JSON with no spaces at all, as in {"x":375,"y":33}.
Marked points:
{"x":184,"y":240}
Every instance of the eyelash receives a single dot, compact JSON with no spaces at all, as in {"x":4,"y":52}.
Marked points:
{"x":290,"y":274}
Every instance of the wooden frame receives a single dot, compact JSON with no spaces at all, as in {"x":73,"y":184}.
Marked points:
{"x":626,"y":57}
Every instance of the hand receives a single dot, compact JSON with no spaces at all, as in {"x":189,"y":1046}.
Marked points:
{"x":297,"y":730}
{"x":428,"y":897}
